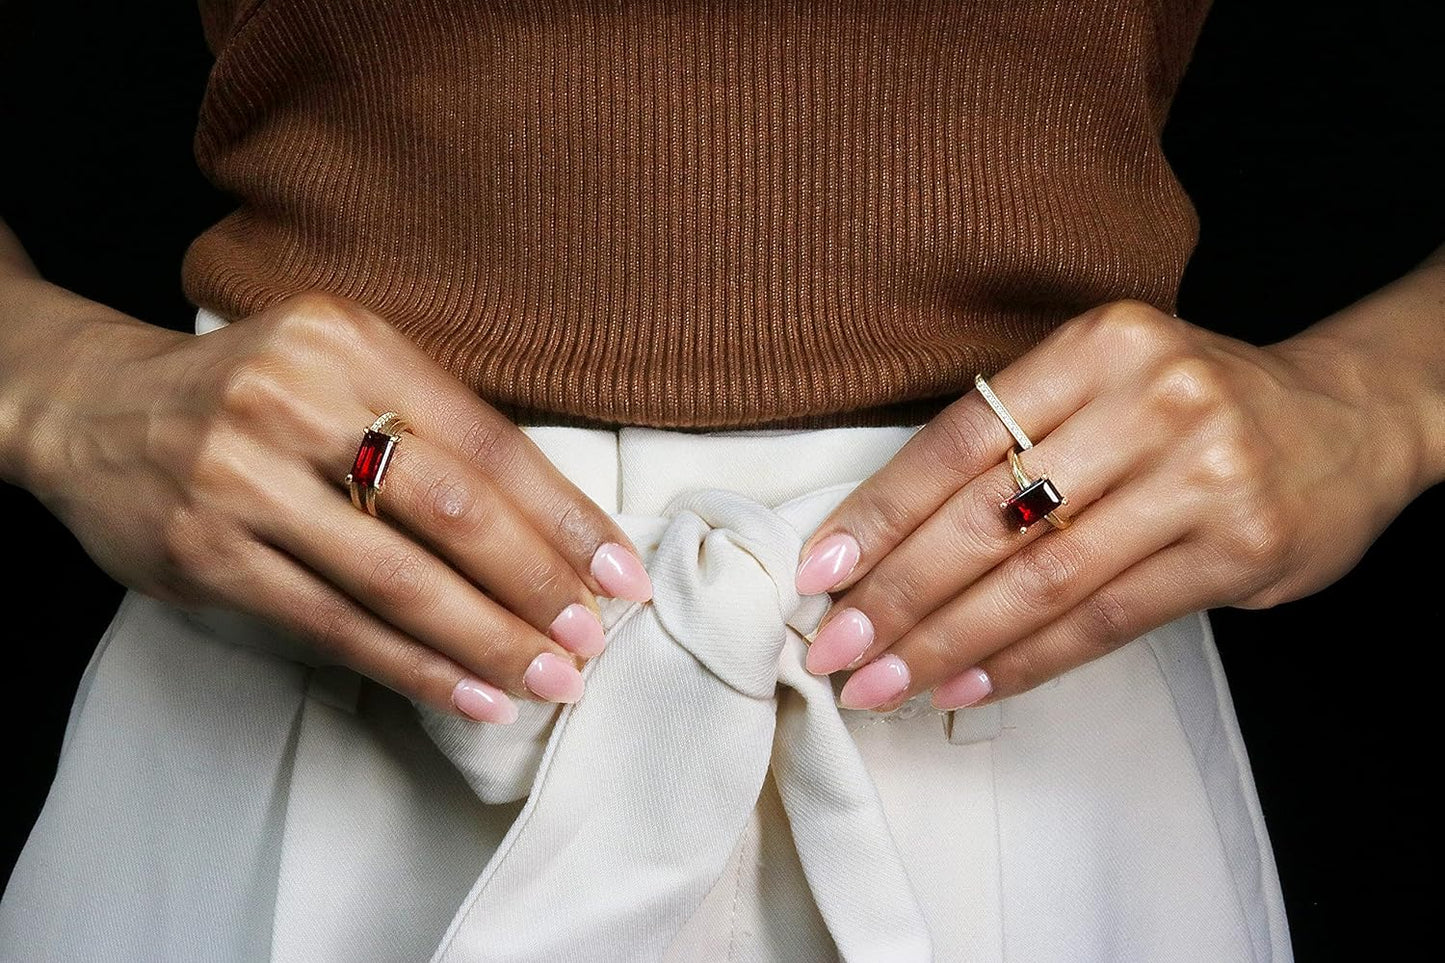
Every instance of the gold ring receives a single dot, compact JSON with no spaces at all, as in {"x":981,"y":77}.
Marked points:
{"x":1037,"y":498}
{"x":373,"y":455}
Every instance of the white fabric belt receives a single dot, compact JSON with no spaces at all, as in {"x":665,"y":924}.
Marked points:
{"x":640,"y":791}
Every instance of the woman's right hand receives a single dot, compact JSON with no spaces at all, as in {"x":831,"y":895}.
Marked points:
{"x":208,"y":471}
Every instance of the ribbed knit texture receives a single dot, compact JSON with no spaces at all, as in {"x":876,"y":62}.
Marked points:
{"x":698,"y":214}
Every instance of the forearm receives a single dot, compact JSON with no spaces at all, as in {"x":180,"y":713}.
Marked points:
{"x":48,"y":336}
{"x":1387,"y":352}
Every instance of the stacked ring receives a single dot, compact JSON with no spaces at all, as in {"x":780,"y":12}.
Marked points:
{"x":1036,"y":498}
{"x":378,"y":443}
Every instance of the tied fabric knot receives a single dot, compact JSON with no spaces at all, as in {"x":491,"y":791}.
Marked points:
{"x":723,"y":587}
{"x":638,"y":793}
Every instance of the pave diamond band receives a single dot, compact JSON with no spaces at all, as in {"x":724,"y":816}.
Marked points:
{"x":1002,"y":412}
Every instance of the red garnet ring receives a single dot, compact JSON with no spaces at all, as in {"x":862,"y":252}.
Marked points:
{"x":378,"y":443}
{"x":1036,"y":499}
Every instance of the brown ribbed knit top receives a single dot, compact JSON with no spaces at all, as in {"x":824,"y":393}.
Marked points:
{"x":705,"y":214}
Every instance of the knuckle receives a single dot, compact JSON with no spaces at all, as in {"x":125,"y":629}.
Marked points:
{"x":450,"y":505}
{"x":880,"y":518}
{"x":411,"y":671}
{"x":398,"y":578}
{"x":198,"y":555}
{"x":319,"y":319}
{"x":1130,"y":328}
{"x":1266,"y":597}
{"x":251,"y":390}
{"x":185,"y":546}
{"x":1219,"y":577}
{"x":1019,"y":669}
{"x":332,"y":625}
{"x":1269,"y":593}
{"x":545,"y":583}
{"x":1230,"y":464}
{"x":1185,"y":389}
{"x":1258,"y":541}
{"x":501,"y":657}
{"x":217,"y":463}
{"x":314,"y":307}
{"x":1106,"y":622}
{"x":574,"y":523}
{"x":981,"y":522}
{"x":892,"y":595}
{"x":1042,"y":572}
{"x":966,"y":437}
{"x":482,"y":443}
{"x":976,"y":524}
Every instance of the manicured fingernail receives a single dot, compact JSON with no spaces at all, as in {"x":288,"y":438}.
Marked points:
{"x":484,"y":703}
{"x":620,"y":573}
{"x":578,"y":630}
{"x":882,"y":680}
{"x":829,"y":563}
{"x":840,"y":642}
{"x":553,"y":678}
{"x":964,"y":689}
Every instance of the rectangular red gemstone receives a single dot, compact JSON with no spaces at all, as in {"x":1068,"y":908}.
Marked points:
{"x":1032,"y":503}
{"x":372,"y":456}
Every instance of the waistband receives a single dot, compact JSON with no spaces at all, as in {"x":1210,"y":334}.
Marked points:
{"x":638,"y":470}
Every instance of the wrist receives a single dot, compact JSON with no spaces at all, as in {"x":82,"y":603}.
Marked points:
{"x":1404,"y":411}
{"x":56,"y":348}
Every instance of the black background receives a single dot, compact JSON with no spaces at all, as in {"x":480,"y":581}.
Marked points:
{"x":1308,"y":137}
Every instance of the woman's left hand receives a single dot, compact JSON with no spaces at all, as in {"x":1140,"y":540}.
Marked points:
{"x":1200,"y":471}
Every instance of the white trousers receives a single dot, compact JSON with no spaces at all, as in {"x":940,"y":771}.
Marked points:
{"x":222,"y":797}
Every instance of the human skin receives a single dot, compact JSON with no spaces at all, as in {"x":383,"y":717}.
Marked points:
{"x":208,"y":471}
{"x":1200,"y":472}
{"x":1204,"y":472}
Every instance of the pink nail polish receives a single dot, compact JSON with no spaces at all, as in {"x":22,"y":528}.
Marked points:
{"x":620,"y":573}
{"x":484,"y":703}
{"x":840,"y":642}
{"x":552,"y":678}
{"x":830,"y":561}
{"x":577,"y":629}
{"x":882,"y":680}
{"x":964,"y":689}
